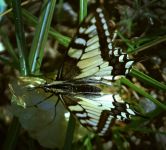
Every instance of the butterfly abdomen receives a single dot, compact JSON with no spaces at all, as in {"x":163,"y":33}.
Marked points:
{"x":72,"y":88}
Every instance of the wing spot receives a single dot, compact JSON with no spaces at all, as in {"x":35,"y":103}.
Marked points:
{"x":121,"y":58}
{"x":117,"y":77}
{"x":119,"y":117}
{"x":105,"y":27}
{"x":80,"y":41}
{"x":81,"y":115}
{"x":75,"y":53}
{"x":106,"y":126}
{"x":110,"y":46}
{"x":103,"y":20}
{"x":101,"y":15}
{"x":110,"y":78}
{"x":118,"y":98}
{"x":99,"y":10}
{"x":93,"y":20}
{"x":81,"y":30}
{"x":123,"y":114}
{"x":127,"y":105}
{"x":130,"y":111}
{"x":129,"y":64}
{"x":108,"y":40}
{"x":116,"y":52}
{"x":127,"y":71}
{"x":107,"y":33}
{"x":90,"y":29}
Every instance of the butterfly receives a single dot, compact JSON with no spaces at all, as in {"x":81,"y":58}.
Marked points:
{"x":91,"y":63}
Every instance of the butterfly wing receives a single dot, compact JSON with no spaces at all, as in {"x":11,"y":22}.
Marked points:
{"x":91,"y":52}
{"x":98,"y":113}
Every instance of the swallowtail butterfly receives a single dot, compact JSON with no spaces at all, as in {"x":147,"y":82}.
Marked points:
{"x":90,"y":63}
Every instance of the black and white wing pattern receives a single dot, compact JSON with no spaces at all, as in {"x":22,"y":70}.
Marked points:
{"x":91,"y":52}
{"x":91,"y":55}
{"x":99,"y":113}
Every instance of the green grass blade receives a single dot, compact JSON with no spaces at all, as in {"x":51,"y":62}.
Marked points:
{"x":142,"y":92}
{"x":69,"y":133}
{"x":127,"y":41}
{"x":64,"y":40}
{"x":41,"y":34}
{"x":149,"y":44}
{"x":29,"y":18}
{"x":117,"y":138}
{"x":83,"y":10}
{"x":13,"y":131}
{"x":24,"y":69}
{"x":12,"y":135}
{"x":87,"y":143}
{"x":148,"y":80}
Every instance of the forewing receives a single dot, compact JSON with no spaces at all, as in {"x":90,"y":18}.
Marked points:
{"x":91,"y":52}
{"x":98,"y":113}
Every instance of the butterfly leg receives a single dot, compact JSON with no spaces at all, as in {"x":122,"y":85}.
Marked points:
{"x":57,"y":102}
{"x":55,"y":108}
{"x":36,"y":105}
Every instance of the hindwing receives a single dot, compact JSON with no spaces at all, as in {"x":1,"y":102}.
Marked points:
{"x":98,"y":113}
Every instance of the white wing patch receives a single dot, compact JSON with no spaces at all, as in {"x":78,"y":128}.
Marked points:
{"x":93,"y":20}
{"x":129,"y":64}
{"x":80,"y":41}
{"x":75,"y":108}
{"x":90,"y":29}
{"x":91,"y":110}
{"x":98,"y":10}
{"x":106,"y":126}
{"x":90,"y":61}
{"x":105,"y":64}
{"x":91,"y":54}
{"x":130,"y":111}
{"x":104,"y":71}
{"x":87,"y":73}
{"x":93,"y":40}
{"x":92,"y":47}
{"x":75,"y":53}
{"x":81,"y":115}
{"x":121,"y":58}
{"x":81,"y":30}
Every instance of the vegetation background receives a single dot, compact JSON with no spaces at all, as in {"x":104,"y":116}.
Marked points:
{"x":33,"y":37}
